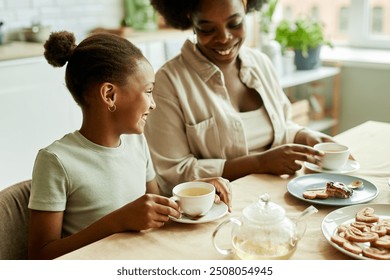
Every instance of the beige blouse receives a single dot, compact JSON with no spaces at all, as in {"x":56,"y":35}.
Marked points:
{"x":195,"y":128}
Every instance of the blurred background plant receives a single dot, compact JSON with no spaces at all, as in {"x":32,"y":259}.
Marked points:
{"x":302,"y":34}
{"x":306,"y":37}
{"x":266,"y":16}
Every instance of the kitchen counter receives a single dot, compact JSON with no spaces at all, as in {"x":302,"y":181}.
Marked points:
{"x":357,"y":57}
{"x":17,"y":50}
{"x":20,"y":50}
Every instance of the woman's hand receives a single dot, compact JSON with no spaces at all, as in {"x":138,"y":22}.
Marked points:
{"x":223,"y":189}
{"x":311,"y":137}
{"x":285,"y":159}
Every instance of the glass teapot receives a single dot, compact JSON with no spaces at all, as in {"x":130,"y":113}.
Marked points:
{"x":264,"y":232}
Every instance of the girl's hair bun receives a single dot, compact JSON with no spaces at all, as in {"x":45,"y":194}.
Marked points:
{"x":59,"y":48}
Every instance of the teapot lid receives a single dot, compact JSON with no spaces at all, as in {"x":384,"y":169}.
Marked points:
{"x":264,"y":211}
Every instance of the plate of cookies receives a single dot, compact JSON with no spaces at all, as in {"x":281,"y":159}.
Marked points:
{"x":360,"y":231}
{"x":332,"y":189}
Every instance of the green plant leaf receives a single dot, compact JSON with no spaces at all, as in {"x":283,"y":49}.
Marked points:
{"x":266,"y":14}
{"x":301,"y":34}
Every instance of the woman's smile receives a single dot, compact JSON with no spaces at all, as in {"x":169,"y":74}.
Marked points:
{"x":224,"y":52}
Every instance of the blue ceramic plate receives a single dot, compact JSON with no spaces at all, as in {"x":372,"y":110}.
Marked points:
{"x":298,"y":185}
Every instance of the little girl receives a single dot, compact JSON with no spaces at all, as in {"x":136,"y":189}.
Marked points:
{"x":100,"y":179}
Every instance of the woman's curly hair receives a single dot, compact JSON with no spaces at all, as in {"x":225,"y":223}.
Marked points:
{"x":176,"y":12}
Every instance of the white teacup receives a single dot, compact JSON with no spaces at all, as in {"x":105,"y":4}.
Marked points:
{"x":336,"y":155}
{"x":194,"y":198}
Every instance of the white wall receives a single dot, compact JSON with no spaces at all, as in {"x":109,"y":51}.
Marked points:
{"x":36,"y":109}
{"x":365,"y":84}
{"x":365,"y":95}
{"x":78,"y":16}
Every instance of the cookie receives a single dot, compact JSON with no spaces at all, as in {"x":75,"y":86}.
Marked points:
{"x":352,"y":247}
{"x":382,"y":242}
{"x":356,"y":235}
{"x":315,"y":194}
{"x":366,"y":215}
{"x":376,"y":253}
{"x":379,"y":229}
{"x":362,"y":226}
{"x":339,"y":240}
{"x":386,"y":224}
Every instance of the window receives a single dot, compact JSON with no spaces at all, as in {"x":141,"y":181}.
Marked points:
{"x":287,"y":12}
{"x":359,"y":23}
{"x":343,"y":20}
{"x":315,"y":12}
{"x":377,"y":21}
{"x":371,"y":23}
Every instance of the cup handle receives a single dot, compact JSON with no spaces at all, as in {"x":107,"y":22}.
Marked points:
{"x":224,"y":251}
{"x":177,"y":200}
{"x":174,"y":198}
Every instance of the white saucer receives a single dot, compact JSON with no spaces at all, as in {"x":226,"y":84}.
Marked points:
{"x":350,"y":166}
{"x":217,"y":211}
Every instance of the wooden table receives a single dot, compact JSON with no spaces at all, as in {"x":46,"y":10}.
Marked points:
{"x":370,"y":145}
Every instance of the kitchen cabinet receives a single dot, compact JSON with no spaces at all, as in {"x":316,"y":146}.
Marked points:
{"x":36,"y":110}
{"x":324,"y":114}
{"x":158,"y":47}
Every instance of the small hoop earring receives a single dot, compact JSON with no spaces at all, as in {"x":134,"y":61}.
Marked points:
{"x":112,"y":108}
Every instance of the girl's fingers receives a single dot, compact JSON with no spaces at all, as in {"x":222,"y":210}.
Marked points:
{"x":166,"y":207}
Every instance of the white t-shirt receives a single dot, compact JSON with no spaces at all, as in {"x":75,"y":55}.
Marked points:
{"x":87,"y":181}
{"x":258,"y":130}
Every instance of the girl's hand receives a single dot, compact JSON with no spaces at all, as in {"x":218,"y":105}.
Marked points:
{"x":223,"y":189}
{"x":148,"y":211}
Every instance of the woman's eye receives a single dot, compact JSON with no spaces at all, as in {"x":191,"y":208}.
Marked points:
{"x":235,"y":25}
{"x":205,"y":30}
{"x":208,"y":31}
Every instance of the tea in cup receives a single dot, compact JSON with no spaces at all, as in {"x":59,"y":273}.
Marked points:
{"x":335,"y":155}
{"x":194,"y":198}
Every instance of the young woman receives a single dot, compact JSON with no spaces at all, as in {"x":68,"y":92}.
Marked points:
{"x":99,"y":180}
{"x":222,"y":111}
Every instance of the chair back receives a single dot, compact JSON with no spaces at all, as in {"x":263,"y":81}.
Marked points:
{"x":14,"y":219}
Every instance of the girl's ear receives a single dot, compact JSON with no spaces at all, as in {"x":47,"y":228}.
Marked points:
{"x":108,"y":94}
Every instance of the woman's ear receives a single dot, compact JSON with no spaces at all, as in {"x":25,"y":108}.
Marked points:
{"x":108,"y":94}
